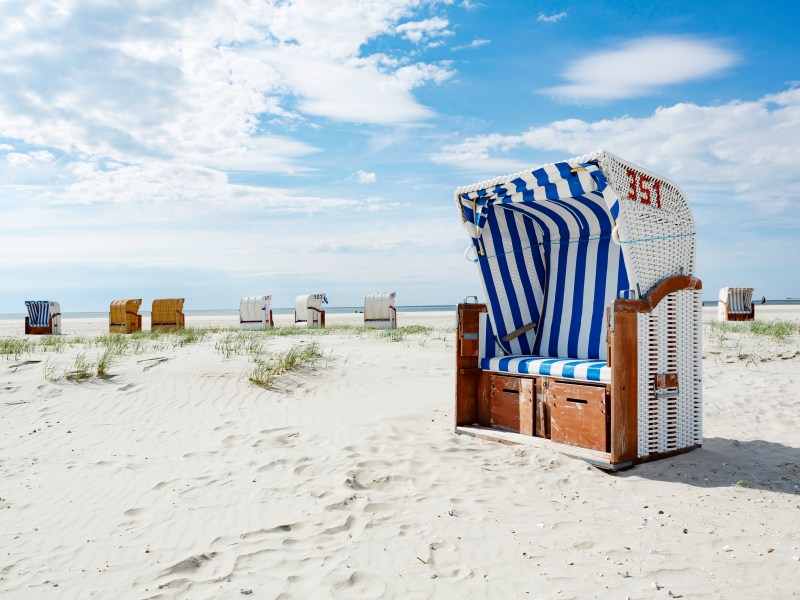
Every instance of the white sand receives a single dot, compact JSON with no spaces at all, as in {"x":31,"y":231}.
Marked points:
{"x":181,"y":479}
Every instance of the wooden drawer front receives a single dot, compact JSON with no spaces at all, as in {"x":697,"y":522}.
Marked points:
{"x":579,"y":415}
{"x":511,"y":404}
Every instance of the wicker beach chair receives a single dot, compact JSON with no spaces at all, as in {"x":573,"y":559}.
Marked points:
{"x":255,"y":312}
{"x":590,"y":338}
{"x":124,"y":317}
{"x":379,"y":311}
{"x":308,"y":310}
{"x":167,"y":314}
{"x":736,"y":304}
{"x":44,"y":317}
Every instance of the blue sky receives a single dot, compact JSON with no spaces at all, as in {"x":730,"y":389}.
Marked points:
{"x":215,"y":149}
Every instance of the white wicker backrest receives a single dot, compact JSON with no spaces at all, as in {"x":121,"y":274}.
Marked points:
{"x":377,"y":306}
{"x":655,"y":224}
{"x":253,"y":308}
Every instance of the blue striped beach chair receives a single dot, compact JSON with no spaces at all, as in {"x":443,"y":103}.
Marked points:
{"x":736,"y":304}
{"x":44,"y":317}
{"x":590,"y":338}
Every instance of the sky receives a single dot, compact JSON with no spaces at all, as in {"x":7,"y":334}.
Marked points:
{"x":213,"y":149}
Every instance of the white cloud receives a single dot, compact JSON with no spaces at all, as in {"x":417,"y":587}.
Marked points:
{"x":6,"y":148}
{"x":204,"y":82}
{"x":477,"y":43}
{"x":29,"y":159}
{"x":642,"y":67}
{"x":554,"y":18}
{"x":417,"y":31}
{"x":364,"y":177}
{"x":736,"y":153}
{"x":182,"y":188}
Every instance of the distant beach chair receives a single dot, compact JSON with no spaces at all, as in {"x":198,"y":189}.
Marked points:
{"x":379,"y":311}
{"x":167,"y":314}
{"x":44,"y":317}
{"x":590,"y":339}
{"x":736,"y":304}
{"x":308,"y":310}
{"x":124,"y":317}
{"x":255,"y":312}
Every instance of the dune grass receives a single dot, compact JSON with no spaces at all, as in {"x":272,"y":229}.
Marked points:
{"x":777,"y":330}
{"x":265,"y":371}
{"x":94,"y":356}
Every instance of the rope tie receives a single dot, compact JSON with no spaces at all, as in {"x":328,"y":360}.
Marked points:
{"x":574,"y":241}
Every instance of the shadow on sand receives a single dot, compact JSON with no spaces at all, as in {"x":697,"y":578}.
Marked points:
{"x":722,"y":462}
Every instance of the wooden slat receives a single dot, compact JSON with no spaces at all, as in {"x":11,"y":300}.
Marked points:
{"x":542,"y":412}
{"x":467,"y":384}
{"x":601,"y":459}
{"x":673,"y":284}
{"x":511,"y":403}
{"x":624,"y":385}
{"x":468,"y":376}
{"x":518,"y":332}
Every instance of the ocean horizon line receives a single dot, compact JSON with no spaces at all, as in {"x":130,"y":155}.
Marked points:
{"x":216,"y":312}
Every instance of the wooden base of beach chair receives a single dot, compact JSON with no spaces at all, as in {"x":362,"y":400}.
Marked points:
{"x":133,"y":324}
{"x":593,"y":421}
{"x":38,"y":330}
{"x":317,"y":318}
{"x":741,"y":316}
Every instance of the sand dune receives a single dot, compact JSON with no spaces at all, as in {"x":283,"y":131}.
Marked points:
{"x":179,"y":478}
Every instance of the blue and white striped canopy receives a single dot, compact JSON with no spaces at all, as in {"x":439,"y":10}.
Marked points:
{"x":544,"y":249}
{"x":38,"y":312}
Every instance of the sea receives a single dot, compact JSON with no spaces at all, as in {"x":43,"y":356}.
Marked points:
{"x":235,"y":311}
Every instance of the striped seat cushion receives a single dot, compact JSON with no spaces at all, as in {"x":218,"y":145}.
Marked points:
{"x":567,"y":368}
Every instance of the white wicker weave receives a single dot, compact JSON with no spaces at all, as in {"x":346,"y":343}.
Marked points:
{"x":669,"y":342}
{"x":379,"y":311}
{"x":655,"y":223}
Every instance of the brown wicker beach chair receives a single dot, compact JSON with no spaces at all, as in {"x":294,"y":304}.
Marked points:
{"x":167,"y":314}
{"x":124,"y":317}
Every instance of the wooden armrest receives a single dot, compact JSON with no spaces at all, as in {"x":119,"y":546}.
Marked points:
{"x":518,"y":332}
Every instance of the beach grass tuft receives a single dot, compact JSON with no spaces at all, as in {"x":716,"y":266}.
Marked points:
{"x":104,"y":362}
{"x":15,"y":347}
{"x":82,"y":369}
{"x":265,"y":371}
{"x":778,"y":330}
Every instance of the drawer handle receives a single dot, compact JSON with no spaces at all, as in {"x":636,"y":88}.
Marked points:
{"x":508,"y":391}
{"x":577,"y":400}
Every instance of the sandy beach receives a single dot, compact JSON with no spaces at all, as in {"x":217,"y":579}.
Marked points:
{"x":174,"y":476}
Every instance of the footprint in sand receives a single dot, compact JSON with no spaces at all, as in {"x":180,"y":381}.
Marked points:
{"x":49,"y":391}
{"x":445,"y":559}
